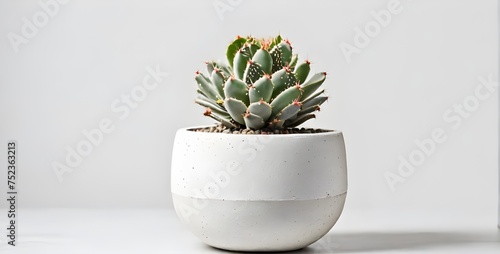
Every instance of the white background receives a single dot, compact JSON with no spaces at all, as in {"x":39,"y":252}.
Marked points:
{"x":395,"y":91}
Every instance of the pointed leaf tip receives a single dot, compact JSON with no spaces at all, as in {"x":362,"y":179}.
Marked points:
{"x":297,"y":85}
{"x":288,"y":42}
{"x":208,"y":111}
{"x":296,"y":102}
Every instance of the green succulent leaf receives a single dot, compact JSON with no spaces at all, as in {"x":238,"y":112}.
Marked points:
{"x":284,"y":99}
{"x":282,"y":80}
{"x":276,"y":124}
{"x":224,"y":122}
{"x":299,"y":120}
{"x":276,"y":54}
{"x":309,"y":109}
{"x":233,"y":48}
{"x":217,"y":79}
{"x":289,"y":111}
{"x":286,"y":53}
{"x":222,"y":66}
{"x":236,"y":88}
{"x":206,"y":86}
{"x":253,"y":121}
{"x":302,"y":71}
{"x":210,"y":66}
{"x":216,"y":108}
{"x":225,"y":68}
{"x":253,"y":72}
{"x":262,"y":109}
{"x":315,"y":101}
{"x":263,"y":58}
{"x":262,"y":89}
{"x":293,"y":62}
{"x":312,"y":96}
{"x":311,"y":85}
{"x":254,"y":48}
{"x":236,"y":109}
{"x":240,"y":64}
{"x":275,"y":41}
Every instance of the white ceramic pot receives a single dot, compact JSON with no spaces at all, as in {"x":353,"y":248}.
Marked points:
{"x":259,"y":192}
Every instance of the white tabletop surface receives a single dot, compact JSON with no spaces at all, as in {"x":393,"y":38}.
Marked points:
{"x":160,"y":231}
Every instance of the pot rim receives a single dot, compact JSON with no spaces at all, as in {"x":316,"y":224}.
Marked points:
{"x":326,"y":132}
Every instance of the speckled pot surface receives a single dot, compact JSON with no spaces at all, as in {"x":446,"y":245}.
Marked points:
{"x":259,"y":192}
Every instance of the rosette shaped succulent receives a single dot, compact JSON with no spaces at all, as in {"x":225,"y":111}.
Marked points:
{"x":263,"y":86}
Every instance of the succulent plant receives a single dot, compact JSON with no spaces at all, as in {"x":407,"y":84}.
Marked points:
{"x":261,"y":87}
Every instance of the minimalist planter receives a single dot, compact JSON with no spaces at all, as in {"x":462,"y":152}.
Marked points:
{"x":259,"y":192}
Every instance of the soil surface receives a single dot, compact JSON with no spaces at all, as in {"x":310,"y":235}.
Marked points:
{"x":223,"y":129}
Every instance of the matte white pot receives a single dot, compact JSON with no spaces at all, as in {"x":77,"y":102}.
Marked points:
{"x":259,"y":192}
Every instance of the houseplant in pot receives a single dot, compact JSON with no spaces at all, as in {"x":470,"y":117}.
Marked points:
{"x":255,"y":181}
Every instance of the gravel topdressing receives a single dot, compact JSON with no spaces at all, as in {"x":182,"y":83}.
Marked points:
{"x":223,"y":129}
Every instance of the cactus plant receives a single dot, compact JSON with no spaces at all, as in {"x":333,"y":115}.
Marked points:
{"x":263,"y":86}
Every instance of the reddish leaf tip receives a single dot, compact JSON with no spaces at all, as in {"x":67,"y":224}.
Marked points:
{"x":208,"y":112}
